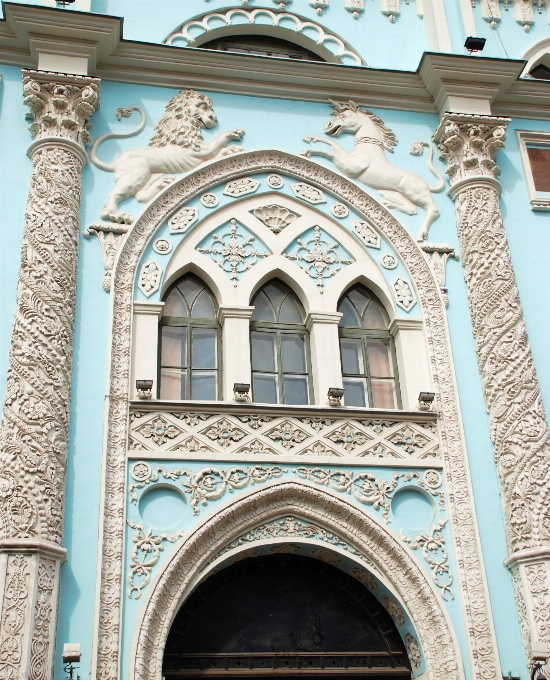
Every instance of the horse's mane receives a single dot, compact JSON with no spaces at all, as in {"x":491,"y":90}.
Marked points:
{"x":388,"y":137}
{"x":177,"y":126}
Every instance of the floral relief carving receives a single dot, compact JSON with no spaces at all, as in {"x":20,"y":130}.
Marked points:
{"x":149,"y":277}
{"x":12,"y":630}
{"x":145,"y":555}
{"x":431,"y":480}
{"x":257,"y":448}
{"x":255,"y":421}
{"x":409,"y":439}
{"x":43,"y":610}
{"x":403,"y":293}
{"x":367,"y":234}
{"x":291,"y":527}
{"x":318,"y":449}
{"x":318,"y":257}
{"x":224,"y":432}
{"x":182,"y":220}
{"x":413,"y":650}
{"x":435,"y":553}
{"x":159,"y":430}
{"x":473,"y":594}
{"x":192,"y":419}
{"x":308,"y":193}
{"x":317,"y":423}
{"x":287,"y":434}
{"x":540,"y":598}
{"x":394,"y":610}
{"x":241,"y":187}
{"x":234,"y":252}
{"x":364,"y":486}
{"x":348,"y":437}
{"x":192,"y":445}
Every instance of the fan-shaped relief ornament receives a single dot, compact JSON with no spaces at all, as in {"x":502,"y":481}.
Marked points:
{"x":149,"y":279}
{"x":367,"y":234}
{"x":403,"y":294}
{"x":176,"y":147}
{"x":319,"y":257}
{"x":276,"y":217}
{"x":182,"y":220}
{"x":234,"y":250}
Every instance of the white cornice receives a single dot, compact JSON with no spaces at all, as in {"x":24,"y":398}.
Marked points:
{"x":26,"y":32}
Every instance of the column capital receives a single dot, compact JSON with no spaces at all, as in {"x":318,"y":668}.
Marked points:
{"x":61,"y":105}
{"x":322,"y":317}
{"x":468,"y":144}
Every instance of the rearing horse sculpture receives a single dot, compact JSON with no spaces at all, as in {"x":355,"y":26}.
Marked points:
{"x":367,"y":162}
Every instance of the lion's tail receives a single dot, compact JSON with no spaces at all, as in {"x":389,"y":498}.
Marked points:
{"x":416,"y":150}
{"x":121,"y":113}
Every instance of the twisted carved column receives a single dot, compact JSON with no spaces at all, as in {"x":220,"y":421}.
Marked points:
{"x":517,"y":421}
{"x":35,"y":422}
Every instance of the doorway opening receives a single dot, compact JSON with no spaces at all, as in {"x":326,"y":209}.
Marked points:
{"x":283,"y":615}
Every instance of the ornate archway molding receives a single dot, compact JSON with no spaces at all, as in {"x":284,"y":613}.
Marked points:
{"x":470,"y":573}
{"x":388,"y":556}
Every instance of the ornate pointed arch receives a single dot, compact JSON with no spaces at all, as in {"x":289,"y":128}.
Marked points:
{"x":388,"y":556}
{"x":470,"y":575}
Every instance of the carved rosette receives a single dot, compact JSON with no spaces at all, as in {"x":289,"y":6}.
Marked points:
{"x":35,"y":422}
{"x":512,"y":396}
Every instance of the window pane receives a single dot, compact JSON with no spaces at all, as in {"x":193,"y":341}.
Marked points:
{"x":352,"y":356}
{"x":293,"y":353}
{"x":349,"y":317}
{"x":383,"y":394}
{"x":204,"y":351}
{"x":190,"y":289}
{"x":174,"y":346}
{"x":263,"y":311}
{"x":295,"y":387}
{"x":379,"y":358}
{"x":203,"y":385}
{"x":264,"y":388}
{"x":203,"y":307}
{"x":263,"y":352}
{"x":355,"y":392}
{"x":359,"y":299}
{"x":175,"y":306}
{"x":275,"y":292}
{"x":172,"y":384}
{"x":374,"y":318}
{"x":539,"y":160}
{"x":290,"y":311}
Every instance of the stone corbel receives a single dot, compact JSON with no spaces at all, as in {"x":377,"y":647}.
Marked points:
{"x":111,"y":237}
{"x":319,"y":5}
{"x":523,"y":12}
{"x":490,"y":12}
{"x":437,"y":255}
{"x":391,"y":8}
{"x":356,"y":7}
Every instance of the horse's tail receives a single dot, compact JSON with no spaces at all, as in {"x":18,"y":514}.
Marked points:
{"x":416,"y":150}
{"x":121,"y":113}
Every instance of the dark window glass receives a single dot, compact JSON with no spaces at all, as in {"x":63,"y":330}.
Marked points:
{"x":189,"y":343}
{"x":279,"y":347}
{"x":261,"y":45}
{"x":539,"y":159}
{"x":367,"y":353}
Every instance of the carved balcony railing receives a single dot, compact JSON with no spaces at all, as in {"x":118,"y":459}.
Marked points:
{"x":239,"y":431}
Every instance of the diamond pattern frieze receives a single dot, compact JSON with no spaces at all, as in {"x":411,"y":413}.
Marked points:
{"x":317,"y":423}
{"x":257,"y":447}
{"x":191,"y":418}
{"x":224,"y":432}
{"x":318,"y":449}
{"x":287,"y":434}
{"x":255,"y":422}
{"x":380,"y":450}
{"x":348,"y":437}
{"x":192,"y":445}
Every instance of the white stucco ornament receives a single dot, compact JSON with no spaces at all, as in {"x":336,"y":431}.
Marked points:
{"x":149,"y":278}
{"x":275,"y":181}
{"x":388,"y":261}
{"x":339,"y":210}
{"x":367,"y":162}
{"x":162,"y":246}
{"x":182,"y":220}
{"x":209,"y":200}
{"x":403,"y":293}
{"x":241,"y":187}
{"x":367,"y":234}
{"x":308,"y":193}
{"x":177,"y":146}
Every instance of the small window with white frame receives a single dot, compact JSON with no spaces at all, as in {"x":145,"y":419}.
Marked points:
{"x":535,"y":155}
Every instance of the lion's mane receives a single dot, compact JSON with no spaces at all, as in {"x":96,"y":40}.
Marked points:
{"x":177,"y":126}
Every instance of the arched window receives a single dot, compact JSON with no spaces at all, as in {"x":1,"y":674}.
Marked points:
{"x":367,"y":352}
{"x":189,"y":343}
{"x":279,"y":346}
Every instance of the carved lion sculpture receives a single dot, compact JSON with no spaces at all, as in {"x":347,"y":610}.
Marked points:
{"x":177,"y":146}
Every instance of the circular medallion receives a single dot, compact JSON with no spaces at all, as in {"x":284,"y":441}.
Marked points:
{"x":141,"y":471}
{"x":209,"y":200}
{"x":275,"y":181}
{"x":340,"y":210}
{"x":388,"y":261}
{"x":162,"y":246}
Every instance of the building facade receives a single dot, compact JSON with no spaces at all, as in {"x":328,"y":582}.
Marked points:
{"x":274,"y":351}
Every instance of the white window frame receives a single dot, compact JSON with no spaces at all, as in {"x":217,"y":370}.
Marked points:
{"x":540,"y":200}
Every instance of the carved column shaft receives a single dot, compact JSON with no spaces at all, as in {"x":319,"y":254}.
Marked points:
{"x":512,"y":396}
{"x":35,"y":423}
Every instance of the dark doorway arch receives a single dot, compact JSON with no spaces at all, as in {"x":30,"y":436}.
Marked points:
{"x":283,"y":615}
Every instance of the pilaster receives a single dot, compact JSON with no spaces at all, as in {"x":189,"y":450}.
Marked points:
{"x":325,"y":352}
{"x":34,"y":432}
{"x":235,"y":323}
{"x":468,"y":143}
